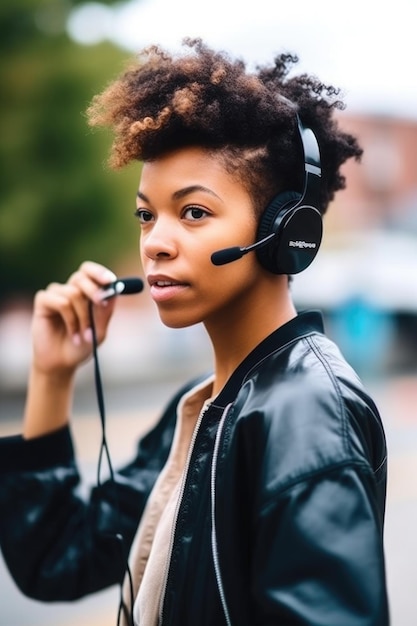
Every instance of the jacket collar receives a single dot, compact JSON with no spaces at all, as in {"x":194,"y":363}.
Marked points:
{"x":300,"y":326}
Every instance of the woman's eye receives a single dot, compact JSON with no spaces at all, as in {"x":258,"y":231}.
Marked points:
{"x":194,"y":213}
{"x":143,"y":215}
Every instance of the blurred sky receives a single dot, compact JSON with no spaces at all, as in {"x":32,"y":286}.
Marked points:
{"x":368,"y":48}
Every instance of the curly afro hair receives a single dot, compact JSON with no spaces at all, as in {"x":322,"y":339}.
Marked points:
{"x":203,"y":97}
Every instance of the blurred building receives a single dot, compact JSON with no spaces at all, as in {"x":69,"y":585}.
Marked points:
{"x":382,"y":189}
{"x":365,"y":277}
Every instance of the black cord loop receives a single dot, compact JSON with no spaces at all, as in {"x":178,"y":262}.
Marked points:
{"x":105,"y":453}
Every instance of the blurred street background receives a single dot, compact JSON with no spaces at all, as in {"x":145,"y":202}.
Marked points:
{"x":60,"y":205}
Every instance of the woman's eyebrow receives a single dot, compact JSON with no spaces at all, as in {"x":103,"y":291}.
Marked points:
{"x":142,"y":196}
{"x":191,"y":189}
{"x":181,"y":193}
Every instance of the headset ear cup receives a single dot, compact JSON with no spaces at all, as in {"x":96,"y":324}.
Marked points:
{"x":267,"y":225}
{"x":298,"y":232}
{"x":301,"y":233}
{"x":282,"y":201}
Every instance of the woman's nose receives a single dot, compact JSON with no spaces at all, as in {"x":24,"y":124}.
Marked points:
{"x":159,"y":241}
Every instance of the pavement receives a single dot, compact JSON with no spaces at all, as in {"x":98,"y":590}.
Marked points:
{"x":397,"y":401}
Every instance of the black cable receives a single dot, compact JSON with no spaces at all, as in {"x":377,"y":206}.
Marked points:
{"x":104,"y":450}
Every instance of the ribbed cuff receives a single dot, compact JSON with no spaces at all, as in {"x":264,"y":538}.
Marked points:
{"x":26,"y":455}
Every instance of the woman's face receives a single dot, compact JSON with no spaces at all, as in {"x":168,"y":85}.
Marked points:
{"x":189,"y":206}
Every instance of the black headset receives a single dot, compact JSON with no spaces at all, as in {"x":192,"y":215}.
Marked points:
{"x":293,"y":218}
{"x":291,"y":227}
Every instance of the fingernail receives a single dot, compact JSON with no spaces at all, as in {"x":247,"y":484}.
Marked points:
{"x":88,"y":335}
{"x":109,"y":276}
{"x":76,"y":339}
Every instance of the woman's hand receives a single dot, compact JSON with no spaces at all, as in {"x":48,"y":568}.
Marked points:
{"x":62,"y":340}
{"x":61,"y":332}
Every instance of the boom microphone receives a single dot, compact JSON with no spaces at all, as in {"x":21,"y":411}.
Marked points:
{"x":227,"y":255}
{"x":122,"y":286}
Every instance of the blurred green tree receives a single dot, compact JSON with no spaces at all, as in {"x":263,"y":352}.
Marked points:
{"x":59,"y":204}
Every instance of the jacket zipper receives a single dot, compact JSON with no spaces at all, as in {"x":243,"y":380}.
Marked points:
{"x":214,"y":545}
{"x":181,"y":493}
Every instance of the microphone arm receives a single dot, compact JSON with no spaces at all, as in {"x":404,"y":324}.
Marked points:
{"x":227,"y":255}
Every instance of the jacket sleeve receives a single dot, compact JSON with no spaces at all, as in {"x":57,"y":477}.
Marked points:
{"x":319,"y":554}
{"x":59,"y":544}
{"x":314,"y":468}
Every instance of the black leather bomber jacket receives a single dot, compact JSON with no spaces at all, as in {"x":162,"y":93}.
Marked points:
{"x":281,"y":517}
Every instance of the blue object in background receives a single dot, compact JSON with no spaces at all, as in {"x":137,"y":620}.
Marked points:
{"x":364,"y":333}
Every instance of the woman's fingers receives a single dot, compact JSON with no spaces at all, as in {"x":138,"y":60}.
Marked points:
{"x":61,"y":328}
{"x":65,"y":307}
{"x":90,"y":278}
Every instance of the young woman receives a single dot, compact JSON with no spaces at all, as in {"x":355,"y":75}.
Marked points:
{"x":258,"y":498}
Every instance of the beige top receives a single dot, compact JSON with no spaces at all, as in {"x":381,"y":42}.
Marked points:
{"x":151,"y":547}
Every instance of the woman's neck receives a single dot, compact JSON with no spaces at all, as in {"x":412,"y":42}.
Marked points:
{"x":236,"y":333}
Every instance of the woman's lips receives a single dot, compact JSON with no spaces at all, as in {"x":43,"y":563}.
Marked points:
{"x":165,"y":289}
